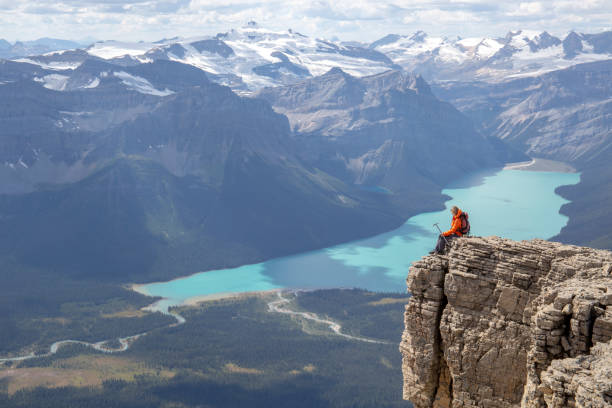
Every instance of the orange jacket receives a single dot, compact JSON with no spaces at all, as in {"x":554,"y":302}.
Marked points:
{"x":455,"y":225}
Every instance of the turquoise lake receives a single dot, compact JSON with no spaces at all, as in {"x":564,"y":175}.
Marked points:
{"x":513,"y":204}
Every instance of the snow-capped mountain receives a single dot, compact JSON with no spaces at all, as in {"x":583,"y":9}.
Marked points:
{"x":518,"y":54}
{"x":251,"y":57}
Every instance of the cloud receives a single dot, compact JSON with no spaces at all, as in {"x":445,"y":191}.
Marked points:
{"x":582,"y":5}
{"x":527,"y":9}
{"x":364,"y":20}
{"x":440,"y":16}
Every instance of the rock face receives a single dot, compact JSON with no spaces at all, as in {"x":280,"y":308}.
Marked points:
{"x":383,"y":130}
{"x":561,"y":115}
{"x":499,"y":323}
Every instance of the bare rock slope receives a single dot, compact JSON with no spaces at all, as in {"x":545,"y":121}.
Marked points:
{"x":499,"y":323}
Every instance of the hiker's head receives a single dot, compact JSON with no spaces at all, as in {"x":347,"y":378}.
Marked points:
{"x":455,"y":210}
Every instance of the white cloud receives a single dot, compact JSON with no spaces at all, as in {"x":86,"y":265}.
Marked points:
{"x":582,"y":5}
{"x":440,"y":16}
{"x":363,"y":20}
{"x":527,"y":9}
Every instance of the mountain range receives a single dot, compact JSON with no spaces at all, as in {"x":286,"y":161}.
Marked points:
{"x":251,"y":57}
{"x":36,"y":47}
{"x":521,"y":53}
{"x":141,"y":171}
{"x":151,"y":151}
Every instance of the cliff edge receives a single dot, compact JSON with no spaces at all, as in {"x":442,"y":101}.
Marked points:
{"x":500,"y":323}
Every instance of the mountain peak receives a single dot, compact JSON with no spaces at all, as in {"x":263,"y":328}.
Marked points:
{"x":400,"y":80}
{"x":573,"y":34}
{"x":420,"y":85}
{"x":527,"y":35}
{"x":387,"y":39}
{"x":572,"y":45}
{"x":337,"y":71}
{"x":419,"y":36}
{"x":543,"y":40}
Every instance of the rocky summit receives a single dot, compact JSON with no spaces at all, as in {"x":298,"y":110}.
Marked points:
{"x":499,"y":323}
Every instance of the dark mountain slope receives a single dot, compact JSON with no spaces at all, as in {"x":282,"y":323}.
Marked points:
{"x":133,"y":220}
{"x":386,"y":130}
{"x":590,"y":210}
{"x":201,"y":179}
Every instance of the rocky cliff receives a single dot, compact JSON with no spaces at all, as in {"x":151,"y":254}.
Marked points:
{"x":499,"y":323}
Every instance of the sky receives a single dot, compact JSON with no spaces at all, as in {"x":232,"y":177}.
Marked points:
{"x":355,"y":20}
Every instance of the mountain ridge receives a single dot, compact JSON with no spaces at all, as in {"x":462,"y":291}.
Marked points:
{"x":154,"y":171}
{"x":382,"y":130}
{"x":252,"y":57}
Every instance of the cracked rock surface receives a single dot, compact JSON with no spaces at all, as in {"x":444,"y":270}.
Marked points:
{"x":500,"y":323}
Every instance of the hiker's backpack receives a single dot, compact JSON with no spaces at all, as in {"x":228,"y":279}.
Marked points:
{"x":465,"y":224}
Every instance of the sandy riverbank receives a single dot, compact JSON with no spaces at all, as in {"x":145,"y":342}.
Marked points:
{"x":228,"y":295}
{"x":541,"y":165}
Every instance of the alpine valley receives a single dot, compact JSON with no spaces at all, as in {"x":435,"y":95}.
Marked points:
{"x":359,"y":115}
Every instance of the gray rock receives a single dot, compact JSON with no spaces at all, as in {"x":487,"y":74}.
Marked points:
{"x":382,"y":130}
{"x":469,"y":354}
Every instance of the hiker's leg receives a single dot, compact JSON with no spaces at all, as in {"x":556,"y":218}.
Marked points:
{"x":441,"y":244}
{"x":442,"y":241}
{"x":451,"y":237}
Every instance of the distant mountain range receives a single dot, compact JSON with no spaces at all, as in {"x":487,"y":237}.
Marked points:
{"x":251,"y":57}
{"x":520,"y":53}
{"x":36,"y":47}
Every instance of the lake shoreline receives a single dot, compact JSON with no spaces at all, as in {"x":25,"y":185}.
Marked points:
{"x":379,"y":263}
{"x":139,"y":287}
{"x":194,"y":301}
{"x":536,"y":164}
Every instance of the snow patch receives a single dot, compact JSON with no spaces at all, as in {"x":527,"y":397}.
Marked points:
{"x":521,"y":38}
{"x":92,"y":84}
{"x":470,"y":42}
{"x":53,"y":65}
{"x":114,"y":49}
{"x":140,"y":84}
{"x":55,"y":82}
{"x":80,"y":113}
{"x":488,"y":47}
{"x":587,"y":47}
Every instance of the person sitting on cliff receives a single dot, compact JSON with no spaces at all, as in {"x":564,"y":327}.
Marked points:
{"x":460,"y":226}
